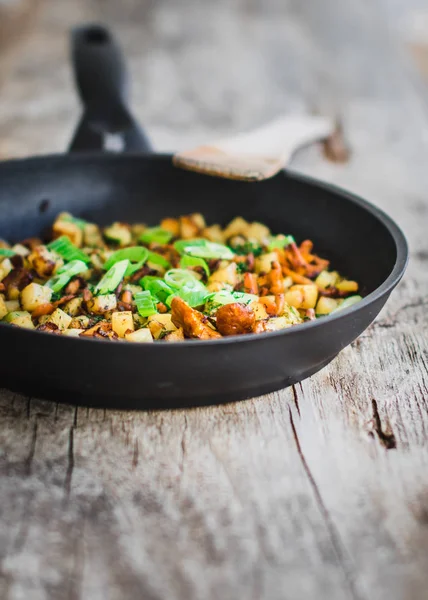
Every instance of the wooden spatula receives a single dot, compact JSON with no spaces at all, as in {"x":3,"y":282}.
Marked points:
{"x":259,"y":154}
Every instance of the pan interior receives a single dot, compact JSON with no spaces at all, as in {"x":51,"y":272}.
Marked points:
{"x":138,"y":189}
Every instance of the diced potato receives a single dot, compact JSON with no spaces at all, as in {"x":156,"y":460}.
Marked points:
{"x":20,"y":318}
{"x":327,"y":279}
{"x":137,"y":229}
{"x":302,"y":296}
{"x":171,"y":225}
{"x":257,"y":232}
{"x":44,"y":262}
{"x":213,"y":233}
{"x":34,"y":295}
{"x":92,"y":235}
{"x":325,"y":305}
{"x":139,"y":321}
{"x":12,"y":305}
{"x":122,"y":322}
{"x":226,"y":276}
{"x":120,"y":233}
{"x":141,"y":335}
{"x":43,"y":319}
{"x":21,"y":250}
{"x":160,"y":324}
{"x":61,"y":319}
{"x":263,"y":264}
{"x":13,"y":292}
{"x":347,"y":286}
{"x":80,"y":322}
{"x":5,"y":268}
{"x":3,"y":308}
{"x":188,"y":228}
{"x":235,"y":227}
{"x":259,"y":310}
{"x":72,"y":307}
{"x":175,"y":336}
{"x":102,"y":304}
{"x":288,"y":282}
{"x":73,"y":332}
{"x":277,"y":323}
{"x":70,"y":229}
{"x":291,"y":314}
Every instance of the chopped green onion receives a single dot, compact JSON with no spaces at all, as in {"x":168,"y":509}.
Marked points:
{"x":7,"y":252}
{"x":81,"y":223}
{"x":217,"y":299}
{"x":133,"y":268}
{"x":280,"y":241}
{"x":178,"y":278}
{"x":193,"y":297}
{"x":157,"y":235}
{"x":145,"y":304}
{"x":158,"y":288}
{"x":350,"y":301}
{"x":65,"y":273}
{"x":202,"y":248}
{"x":112,"y":278}
{"x":67,"y":250}
{"x":158,"y":259}
{"x":135,"y":254}
{"x":191,"y":261}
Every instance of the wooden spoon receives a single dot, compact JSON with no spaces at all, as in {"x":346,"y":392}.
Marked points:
{"x":259,"y":154}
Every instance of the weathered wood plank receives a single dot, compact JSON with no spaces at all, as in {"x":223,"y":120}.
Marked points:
{"x":294,"y":495}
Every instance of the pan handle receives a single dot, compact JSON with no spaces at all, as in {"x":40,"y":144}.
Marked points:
{"x":101,"y":79}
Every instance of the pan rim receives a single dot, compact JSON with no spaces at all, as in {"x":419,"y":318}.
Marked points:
{"x":397,"y":235}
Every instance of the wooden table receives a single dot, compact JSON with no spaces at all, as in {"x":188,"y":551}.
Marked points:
{"x":317,"y":491}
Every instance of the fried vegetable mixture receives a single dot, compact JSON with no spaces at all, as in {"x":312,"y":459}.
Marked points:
{"x":179,"y":280}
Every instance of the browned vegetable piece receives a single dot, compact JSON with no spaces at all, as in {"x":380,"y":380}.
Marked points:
{"x":42,"y":261}
{"x":194,"y":323}
{"x":50,"y":328}
{"x":235,"y":319}
{"x":273,"y":281}
{"x":101,"y":330}
{"x":174,"y":336}
{"x":250,"y":283}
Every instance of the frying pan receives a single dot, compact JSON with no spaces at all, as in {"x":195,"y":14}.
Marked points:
{"x":137,"y":185}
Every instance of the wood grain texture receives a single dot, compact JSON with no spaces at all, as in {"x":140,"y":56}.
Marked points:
{"x":312,"y":492}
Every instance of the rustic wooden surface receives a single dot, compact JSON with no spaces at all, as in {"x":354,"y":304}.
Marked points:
{"x":319,"y":491}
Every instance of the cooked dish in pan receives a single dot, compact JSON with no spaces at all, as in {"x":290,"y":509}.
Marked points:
{"x":179,"y":280}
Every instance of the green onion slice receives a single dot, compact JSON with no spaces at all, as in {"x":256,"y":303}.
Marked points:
{"x":178,"y":278}
{"x":135,"y":254}
{"x":193,"y":297}
{"x":145,"y":304}
{"x":280,"y":241}
{"x":158,"y":288}
{"x":64,"y":247}
{"x":350,"y":301}
{"x":155,"y":234}
{"x":192,"y":261}
{"x":112,"y":278}
{"x":201,"y":248}
{"x":7,"y":252}
{"x":65,"y":273}
{"x":158,"y":259}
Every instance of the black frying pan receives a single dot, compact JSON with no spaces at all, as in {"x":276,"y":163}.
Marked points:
{"x":362,"y":242}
